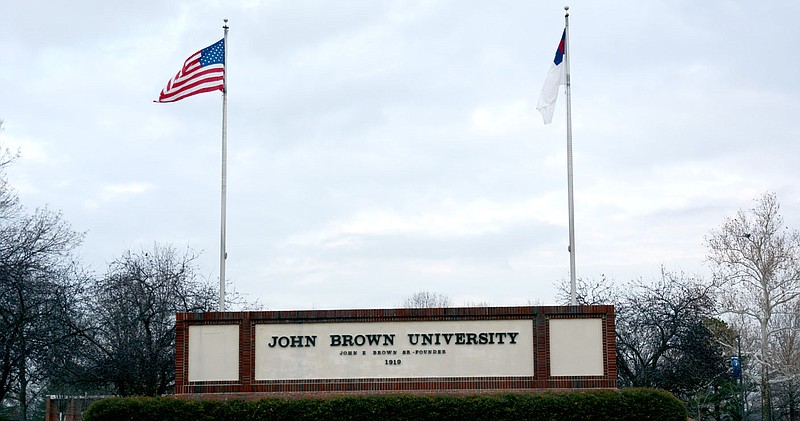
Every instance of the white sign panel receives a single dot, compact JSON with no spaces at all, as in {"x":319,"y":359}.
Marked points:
{"x":399,"y":349}
{"x":576,"y":347}
{"x":213,"y":352}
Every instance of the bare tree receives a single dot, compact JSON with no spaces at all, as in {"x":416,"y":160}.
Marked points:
{"x":588,"y":292}
{"x":40,"y":288}
{"x":9,"y":203}
{"x":38,"y":293}
{"x":133,"y":337}
{"x":665,"y":334}
{"x":663,"y":339}
{"x":755,"y":259}
{"x":427,"y":299}
{"x":785,"y":376}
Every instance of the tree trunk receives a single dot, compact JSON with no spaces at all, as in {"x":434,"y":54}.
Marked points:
{"x":23,"y":391}
{"x":766,"y":399}
{"x":766,"y":396}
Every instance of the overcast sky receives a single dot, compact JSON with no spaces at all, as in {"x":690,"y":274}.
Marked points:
{"x":379,"y":148}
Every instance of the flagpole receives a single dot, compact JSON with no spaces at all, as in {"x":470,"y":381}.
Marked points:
{"x":223,"y":254}
{"x":567,"y":54}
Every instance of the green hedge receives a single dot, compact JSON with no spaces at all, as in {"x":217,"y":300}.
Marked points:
{"x":616,"y":405}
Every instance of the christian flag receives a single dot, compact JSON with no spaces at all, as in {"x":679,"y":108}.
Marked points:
{"x":203,"y":71}
{"x":555,"y":78}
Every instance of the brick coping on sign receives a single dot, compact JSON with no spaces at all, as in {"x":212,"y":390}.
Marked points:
{"x":247,"y":385}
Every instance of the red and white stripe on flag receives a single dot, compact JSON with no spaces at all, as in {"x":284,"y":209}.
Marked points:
{"x":203,"y":71}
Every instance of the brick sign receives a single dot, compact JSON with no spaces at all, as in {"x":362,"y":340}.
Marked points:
{"x":309,"y":352}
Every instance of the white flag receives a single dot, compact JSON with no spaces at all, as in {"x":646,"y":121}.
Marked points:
{"x":555,"y":78}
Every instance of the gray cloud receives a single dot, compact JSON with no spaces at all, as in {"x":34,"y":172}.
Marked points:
{"x":379,"y":148}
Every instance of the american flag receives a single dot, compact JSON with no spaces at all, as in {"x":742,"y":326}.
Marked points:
{"x":203,"y":71}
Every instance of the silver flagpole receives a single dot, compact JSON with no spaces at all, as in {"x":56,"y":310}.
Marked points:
{"x":223,"y":254}
{"x":572,"y":294}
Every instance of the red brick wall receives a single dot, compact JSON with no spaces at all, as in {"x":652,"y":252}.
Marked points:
{"x":67,"y":408}
{"x":541,"y":379}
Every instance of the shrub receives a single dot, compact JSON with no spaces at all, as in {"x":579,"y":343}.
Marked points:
{"x":613,"y":405}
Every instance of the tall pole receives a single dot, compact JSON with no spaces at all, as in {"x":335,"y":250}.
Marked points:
{"x":741,"y":372}
{"x":223,"y":254}
{"x":572,"y":294}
